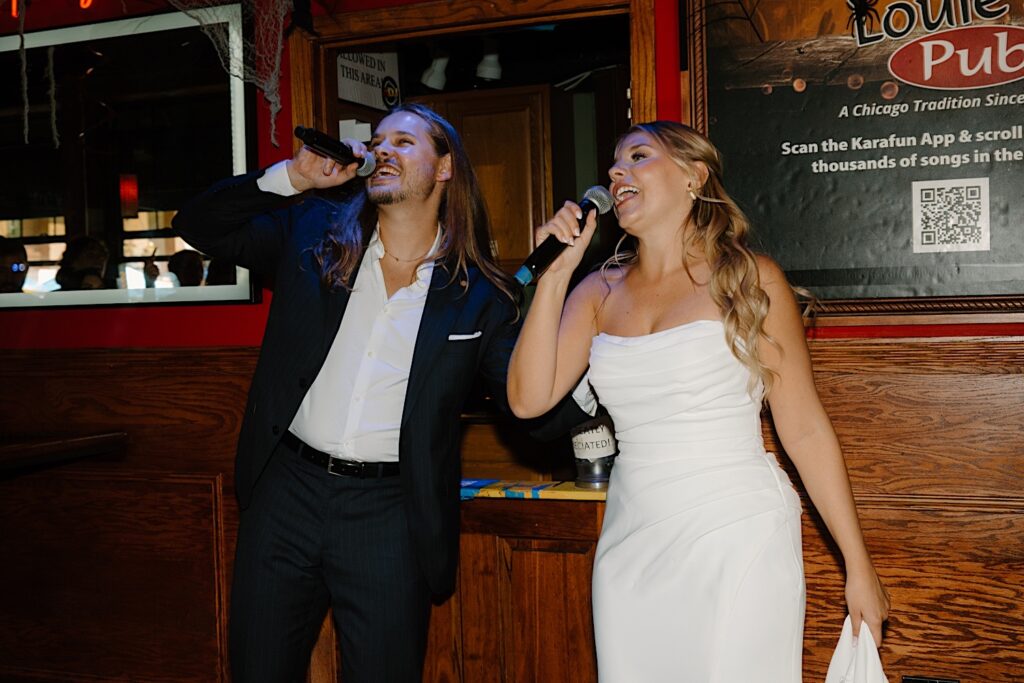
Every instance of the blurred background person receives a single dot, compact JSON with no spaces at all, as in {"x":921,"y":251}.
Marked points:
{"x":84,"y":265}
{"x":220,"y":272}
{"x":13,"y":266}
{"x":187,"y":266}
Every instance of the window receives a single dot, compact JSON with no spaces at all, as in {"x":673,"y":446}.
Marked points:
{"x":126,"y":121}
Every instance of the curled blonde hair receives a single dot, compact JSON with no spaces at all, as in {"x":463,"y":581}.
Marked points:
{"x":719,"y":232}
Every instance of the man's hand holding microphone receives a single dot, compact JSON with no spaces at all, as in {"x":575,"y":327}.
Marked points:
{"x":324,"y":162}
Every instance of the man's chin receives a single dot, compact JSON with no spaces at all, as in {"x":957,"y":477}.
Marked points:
{"x":382,"y":197}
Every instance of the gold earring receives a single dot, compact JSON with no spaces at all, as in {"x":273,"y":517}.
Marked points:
{"x":692,"y":195}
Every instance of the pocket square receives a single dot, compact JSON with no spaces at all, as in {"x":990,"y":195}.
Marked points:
{"x":464,"y":337}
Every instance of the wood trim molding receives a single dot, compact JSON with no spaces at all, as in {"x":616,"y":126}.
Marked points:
{"x":697,"y":62}
{"x":452,"y":16}
{"x":1012,"y":307}
{"x":300,"y":51}
{"x":53,"y":451}
{"x":643,"y":99}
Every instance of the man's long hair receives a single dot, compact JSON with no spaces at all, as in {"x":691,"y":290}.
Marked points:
{"x":466,"y":234}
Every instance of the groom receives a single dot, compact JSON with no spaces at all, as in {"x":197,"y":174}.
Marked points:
{"x":386,"y":307}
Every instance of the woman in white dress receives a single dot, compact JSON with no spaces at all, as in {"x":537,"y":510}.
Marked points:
{"x":698,"y":575}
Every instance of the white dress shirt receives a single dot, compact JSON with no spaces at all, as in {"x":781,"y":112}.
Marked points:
{"x":354,"y":407}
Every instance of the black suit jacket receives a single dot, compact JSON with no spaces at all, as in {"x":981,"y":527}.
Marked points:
{"x":273,"y":235}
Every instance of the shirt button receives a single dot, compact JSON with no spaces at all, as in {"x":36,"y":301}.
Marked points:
{"x":369,"y":354}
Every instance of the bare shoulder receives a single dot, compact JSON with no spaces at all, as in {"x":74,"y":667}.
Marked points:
{"x":770,"y":273}
{"x":599,"y":284}
{"x":588,"y":297}
{"x":782,"y":297}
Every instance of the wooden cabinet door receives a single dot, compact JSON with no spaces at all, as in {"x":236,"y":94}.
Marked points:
{"x":506,"y":133}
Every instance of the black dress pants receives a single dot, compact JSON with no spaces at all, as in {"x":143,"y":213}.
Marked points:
{"x":310,"y":540}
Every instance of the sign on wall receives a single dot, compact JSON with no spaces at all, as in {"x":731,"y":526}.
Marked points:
{"x":369,"y":78}
{"x":877,"y":146}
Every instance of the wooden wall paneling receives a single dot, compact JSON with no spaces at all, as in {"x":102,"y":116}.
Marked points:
{"x":444,"y":643}
{"x":524,"y":590}
{"x":954,"y":571}
{"x":933,"y":432}
{"x":111,"y":576}
{"x":923,"y":417}
{"x":942,"y":424}
{"x":482,"y":596}
{"x":181,"y":408}
{"x":549,"y":587}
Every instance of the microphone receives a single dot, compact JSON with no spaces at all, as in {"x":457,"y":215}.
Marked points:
{"x":540,"y":258}
{"x":326,"y":146}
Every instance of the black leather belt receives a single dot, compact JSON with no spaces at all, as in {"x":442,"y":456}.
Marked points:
{"x":337,"y":466}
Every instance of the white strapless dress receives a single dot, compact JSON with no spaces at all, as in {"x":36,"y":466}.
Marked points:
{"x":698,"y":576}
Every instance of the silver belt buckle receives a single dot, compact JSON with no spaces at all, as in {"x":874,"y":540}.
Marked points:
{"x":343,"y":468}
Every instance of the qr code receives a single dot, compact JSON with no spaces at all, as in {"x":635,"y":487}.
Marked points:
{"x":951,"y":215}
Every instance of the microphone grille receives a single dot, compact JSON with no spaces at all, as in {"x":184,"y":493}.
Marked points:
{"x":368,"y":166}
{"x":600,"y":197}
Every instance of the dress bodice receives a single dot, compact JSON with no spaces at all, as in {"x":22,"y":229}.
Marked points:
{"x":678,"y":387}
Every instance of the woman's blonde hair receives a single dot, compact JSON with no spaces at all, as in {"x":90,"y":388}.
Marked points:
{"x":720,"y":233}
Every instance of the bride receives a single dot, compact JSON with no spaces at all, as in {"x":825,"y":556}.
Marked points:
{"x":698,"y":574}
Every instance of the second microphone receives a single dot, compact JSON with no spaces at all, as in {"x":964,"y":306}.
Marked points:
{"x":596,"y":198}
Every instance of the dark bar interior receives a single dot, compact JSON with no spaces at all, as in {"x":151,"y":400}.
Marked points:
{"x":876,"y":147}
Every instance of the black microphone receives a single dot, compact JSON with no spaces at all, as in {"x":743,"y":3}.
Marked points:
{"x":538,"y":261}
{"x":326,"y":146}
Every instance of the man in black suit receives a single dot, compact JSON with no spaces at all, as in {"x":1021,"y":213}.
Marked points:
{"x":386,"y":307}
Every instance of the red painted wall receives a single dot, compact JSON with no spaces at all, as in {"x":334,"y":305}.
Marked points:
{"x":242,"y":324}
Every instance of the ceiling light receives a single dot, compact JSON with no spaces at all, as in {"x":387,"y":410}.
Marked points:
{"x":489,"y":67}
{"x":434,"y":76}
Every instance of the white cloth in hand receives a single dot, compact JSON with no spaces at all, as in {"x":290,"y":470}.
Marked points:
{"x":855,"y":659}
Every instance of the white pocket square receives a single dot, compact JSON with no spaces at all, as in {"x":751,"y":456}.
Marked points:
{"x":464,"y":337}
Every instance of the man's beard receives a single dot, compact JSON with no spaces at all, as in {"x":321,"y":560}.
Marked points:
{"x":417,"y":188}
{"x":381,"y":196}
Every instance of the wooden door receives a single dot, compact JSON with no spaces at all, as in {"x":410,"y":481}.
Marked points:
{"x":507,"y":135}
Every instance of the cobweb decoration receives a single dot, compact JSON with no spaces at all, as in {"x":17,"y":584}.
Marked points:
{"x":24,"y":66}
{"x":259,"y":61}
